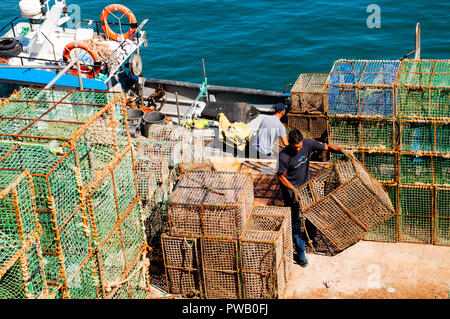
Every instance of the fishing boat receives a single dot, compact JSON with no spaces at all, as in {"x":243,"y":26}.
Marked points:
{"x":44,"y":47}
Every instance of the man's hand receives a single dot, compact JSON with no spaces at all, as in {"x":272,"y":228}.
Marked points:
{"x":296,"y":195}
{"x":333,"y":148}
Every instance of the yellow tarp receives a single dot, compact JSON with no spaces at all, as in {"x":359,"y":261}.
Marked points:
{"x":235,"y":134}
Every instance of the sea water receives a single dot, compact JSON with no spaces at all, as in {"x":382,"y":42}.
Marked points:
{"x":267,"y":44}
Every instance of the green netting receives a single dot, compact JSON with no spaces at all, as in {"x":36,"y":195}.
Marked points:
{"x":344,"y":132}
{"x":415,"y":214}
{"x":125,"y":183}
{"x":96,"y":144}
{"x":415,"y":201}
{"x":362,"y":133}
{"x":133,"y":233}
{"x":416,"y":72}
{"x":338,"y":157}
{"x":12,"y":283}
{"x":382,"y":166}
{"x":102,"y":208}
{"x":415,"y":169}
{"x":37,"y":284}
{"x":85,"y":284}
{"x":111,"y":261}
{"x":423,"y":89}
{"x":42,"y":95}
{"x":138,"y":278}
{"x":121,"y":293}
{"x":377,"y":134}
{"x":55,"y":175}
{"x":417,"y":136}
{"x":442,"y":138}
{"x":388,"y":230}
{"x":74,"y":243}
{"x":18,"y":198}
{"x":22,"y":110}
{"x":23,"y":275}
{"x":442,"y":216}
{"x":441,"y":167}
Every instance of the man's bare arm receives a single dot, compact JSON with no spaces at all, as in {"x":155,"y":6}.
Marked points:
{"x":284,"y":140}
{"x":285,"y":182}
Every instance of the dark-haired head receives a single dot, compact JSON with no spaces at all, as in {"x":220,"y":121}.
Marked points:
{"x":295,"y":140}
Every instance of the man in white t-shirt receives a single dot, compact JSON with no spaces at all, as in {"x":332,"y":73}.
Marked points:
{"x":269,"y":130}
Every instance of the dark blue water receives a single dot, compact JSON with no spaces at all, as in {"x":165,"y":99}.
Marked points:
{"x":266,"y":44}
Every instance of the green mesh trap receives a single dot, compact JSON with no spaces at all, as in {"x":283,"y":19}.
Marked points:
{"x":415,"y":169}
{"x":425,"y":136}
{"x":21,"y":269}
{"x":415,"y":214}
{"x":387,"y":231}
{"x":423,"y":89}
{"x":442,"y":223}
{"x":69,"y":119}
{"x":374,"y":134}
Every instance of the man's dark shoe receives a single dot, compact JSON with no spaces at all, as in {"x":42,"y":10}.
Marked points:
{"x":300,"y":258}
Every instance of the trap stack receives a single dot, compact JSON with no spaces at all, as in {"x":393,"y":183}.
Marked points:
{"x":77,"y":149}
{"x":157,"y":160}
{"x":398,"y":127}
{"x":203,"y":254}
{"x":21,"y":263}
{"x":266,"y":252}
{"x":345,"y":202}
{"x":211,"y":209}
{"x":423,"y":110}
{"x":361,"y":102}
{"x":308,"y":112}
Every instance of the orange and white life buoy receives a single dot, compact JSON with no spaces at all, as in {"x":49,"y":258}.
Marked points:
{"x":89,"y":71}
{"x":126,"y":12}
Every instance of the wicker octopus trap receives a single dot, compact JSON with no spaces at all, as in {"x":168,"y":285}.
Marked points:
{"x":345,"y":202}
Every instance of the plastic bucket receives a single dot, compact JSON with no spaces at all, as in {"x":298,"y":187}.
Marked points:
{"x":151,"y":118}
{"x":134,"y":116}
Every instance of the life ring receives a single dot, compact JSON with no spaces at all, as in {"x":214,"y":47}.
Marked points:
{"x":90,"y":72}
{"x":107,"y":29}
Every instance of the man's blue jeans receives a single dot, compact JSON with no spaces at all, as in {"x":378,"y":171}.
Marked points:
{"x":297,"y":236}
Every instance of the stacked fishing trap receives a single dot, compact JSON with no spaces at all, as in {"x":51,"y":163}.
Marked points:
{"x":308,"y":112}
{"x":76,"y":150}
{"x":395,"y":115}
{"x":222,"y":246}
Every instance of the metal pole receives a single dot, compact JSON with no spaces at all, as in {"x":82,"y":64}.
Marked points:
{"x":417,"y":56}
{"x":178,"y":108}
{"x":80,"y":80}
{"x":60,"y":74}
{"x":204,"y":77}
{"x":9,"y":66}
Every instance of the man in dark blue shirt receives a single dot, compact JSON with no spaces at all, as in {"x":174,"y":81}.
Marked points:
{"x":293,"y":171}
